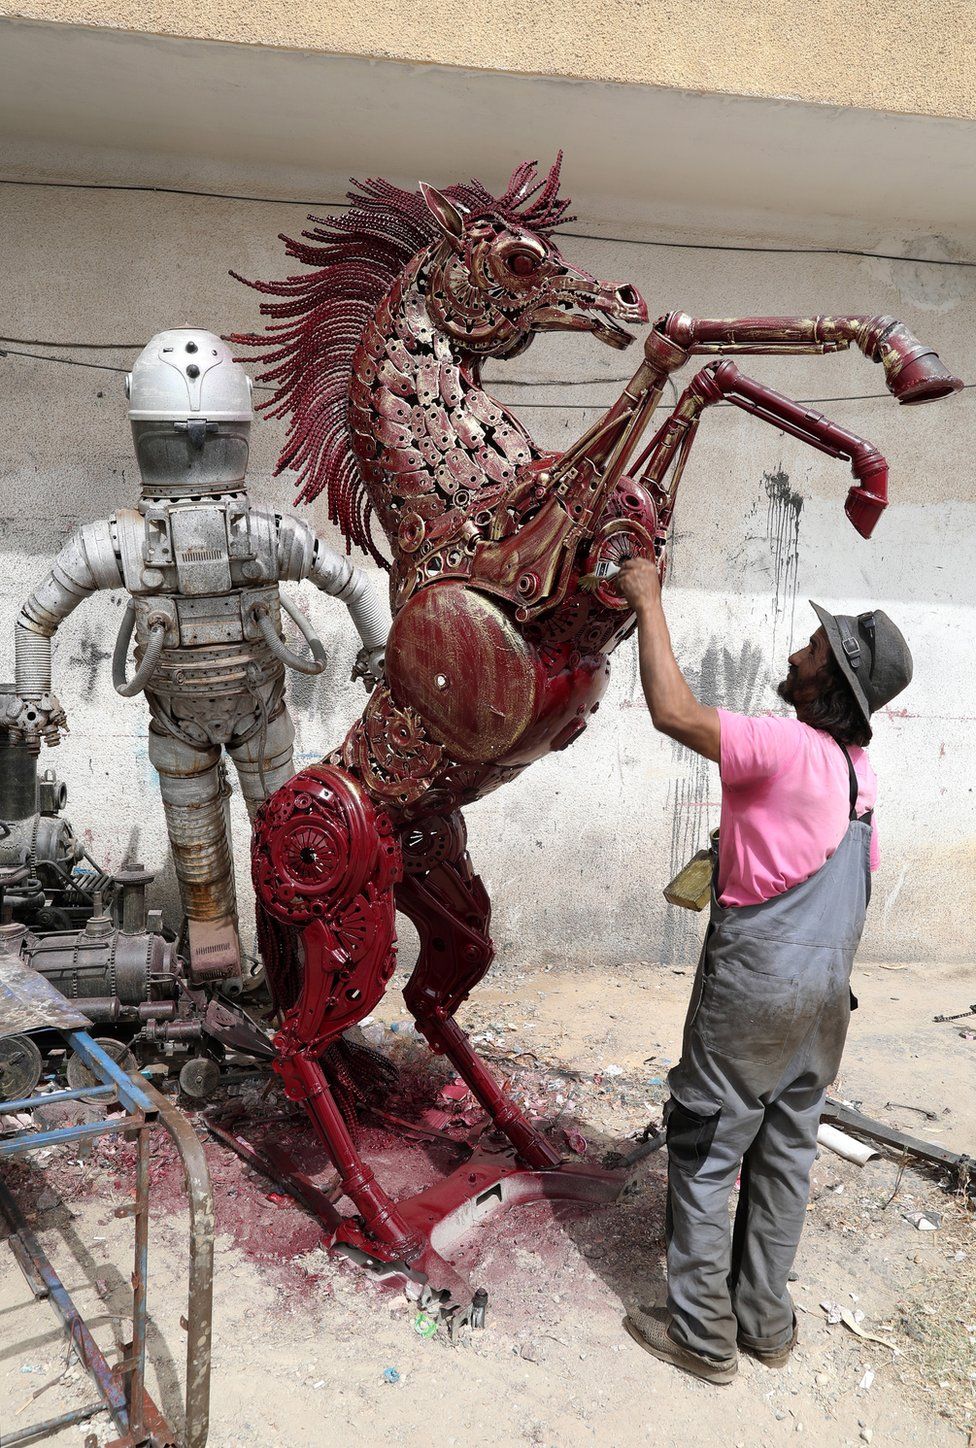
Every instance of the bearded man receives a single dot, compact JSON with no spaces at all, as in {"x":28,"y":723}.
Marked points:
{"x":771,"y":1004}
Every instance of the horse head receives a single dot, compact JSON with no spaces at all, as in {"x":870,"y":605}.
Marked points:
{"x":472,"y":272}
{"x":492,"y":284}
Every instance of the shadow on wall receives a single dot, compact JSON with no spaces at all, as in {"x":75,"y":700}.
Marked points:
{"x":734,"y":677}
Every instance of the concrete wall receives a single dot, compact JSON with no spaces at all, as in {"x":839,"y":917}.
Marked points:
{"x":576,"y":852}
{"x":890,"y":55}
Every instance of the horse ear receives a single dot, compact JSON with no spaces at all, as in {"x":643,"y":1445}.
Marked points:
{"x":444,"y":212}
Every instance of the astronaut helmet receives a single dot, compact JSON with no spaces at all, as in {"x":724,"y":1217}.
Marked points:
{"x":190,"y":410}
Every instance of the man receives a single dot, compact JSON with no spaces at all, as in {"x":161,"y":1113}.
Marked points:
{"x":770,"y":1009}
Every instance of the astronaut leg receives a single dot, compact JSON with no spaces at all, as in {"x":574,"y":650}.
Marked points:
{"x":274,"y":748}
{"x":193,"y":802}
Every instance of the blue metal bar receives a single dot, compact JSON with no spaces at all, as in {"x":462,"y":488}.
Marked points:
{"x":122,"y":1391}
{"x":25,"y":1141}
{"x":100,"y":1064}
{"x":51,"y":1425}
{"x":140,"y":1275}
{"x":108,"y":1385}
{"x":82,"y":1094}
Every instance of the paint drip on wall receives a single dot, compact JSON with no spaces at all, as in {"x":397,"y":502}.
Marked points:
{"x":784,"y":506}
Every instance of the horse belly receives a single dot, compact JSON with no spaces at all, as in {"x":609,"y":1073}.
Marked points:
{"x":571,"y":691}
{"x":482,"y":690}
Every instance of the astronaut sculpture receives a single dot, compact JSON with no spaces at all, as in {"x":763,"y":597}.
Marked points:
{"x":201,"y":564}
{"x":504,"y":609}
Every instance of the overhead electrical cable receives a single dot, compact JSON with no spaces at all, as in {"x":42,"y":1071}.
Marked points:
{"x":499,"y":385}
{"x":578,"y":235}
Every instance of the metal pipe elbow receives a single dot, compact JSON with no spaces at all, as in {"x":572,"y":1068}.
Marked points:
{"x":913,"y":372}
{"x":295,"y":543}
{"x":338,"y":577}
{"x":128,"y":688}
{"x":868,"y":498}
{"x":371,"y":618}
{"x":280,"y":649}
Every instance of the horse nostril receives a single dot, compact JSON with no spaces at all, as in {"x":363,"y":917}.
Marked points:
{"x":627,"y":296}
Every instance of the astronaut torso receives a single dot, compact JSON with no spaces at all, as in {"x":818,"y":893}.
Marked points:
{"x":202,"y":566}
{"x":200,"y":562}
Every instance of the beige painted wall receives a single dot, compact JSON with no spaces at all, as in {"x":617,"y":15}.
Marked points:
{"x":910,"y":56}
{"x":576,"y":852}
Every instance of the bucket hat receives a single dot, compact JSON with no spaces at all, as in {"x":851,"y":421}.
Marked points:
{"x":872,"y":655}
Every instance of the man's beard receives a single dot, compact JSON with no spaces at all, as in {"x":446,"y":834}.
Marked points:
{"x":786,"y":689}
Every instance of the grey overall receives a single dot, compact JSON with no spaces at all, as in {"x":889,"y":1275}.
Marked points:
{"x":763,"y":1039}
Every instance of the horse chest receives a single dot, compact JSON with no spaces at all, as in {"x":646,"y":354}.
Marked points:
{"x":484,"y":691}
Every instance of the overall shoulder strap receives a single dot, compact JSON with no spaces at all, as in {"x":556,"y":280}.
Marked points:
{"x":852,"y":778}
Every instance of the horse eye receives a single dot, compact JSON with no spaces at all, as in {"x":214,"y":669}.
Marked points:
{"x":522,"y":263}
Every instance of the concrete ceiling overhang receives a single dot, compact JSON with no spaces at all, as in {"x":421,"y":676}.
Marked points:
{"x":123,"y":107}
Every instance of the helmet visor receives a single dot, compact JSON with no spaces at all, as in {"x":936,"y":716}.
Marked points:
{"x":181,"y":460}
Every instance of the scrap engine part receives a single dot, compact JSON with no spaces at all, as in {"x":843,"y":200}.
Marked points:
{"x":18,"y":775}
{"x":100,"y":963}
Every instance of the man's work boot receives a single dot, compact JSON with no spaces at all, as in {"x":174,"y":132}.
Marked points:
{"x":650,"y":1331}
{"x":776,"y":1357}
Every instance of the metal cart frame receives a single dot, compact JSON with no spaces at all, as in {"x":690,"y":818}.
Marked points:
{"x":27,"y":1001}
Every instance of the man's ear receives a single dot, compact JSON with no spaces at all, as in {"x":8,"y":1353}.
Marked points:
{"x":445,"y":213}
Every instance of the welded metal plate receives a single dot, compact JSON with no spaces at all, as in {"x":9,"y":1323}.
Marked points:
{"x":456,"y":658}
{"x":28,"y":1002}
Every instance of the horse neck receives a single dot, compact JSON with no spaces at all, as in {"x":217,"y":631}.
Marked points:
{"x":444,"y":449}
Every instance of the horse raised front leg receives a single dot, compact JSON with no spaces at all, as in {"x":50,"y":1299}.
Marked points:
{"x":325,"y":862}
{"x":449,"y":906}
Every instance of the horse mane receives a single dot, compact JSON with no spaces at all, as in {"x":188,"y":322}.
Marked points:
{"x":309,"y":343}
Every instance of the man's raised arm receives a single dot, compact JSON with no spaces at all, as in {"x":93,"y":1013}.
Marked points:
{"x":674,"y":709}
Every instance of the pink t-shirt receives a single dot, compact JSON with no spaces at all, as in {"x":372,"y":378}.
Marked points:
{"x":785,"y":804}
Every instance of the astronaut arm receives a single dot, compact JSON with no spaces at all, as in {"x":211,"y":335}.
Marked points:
{"x":87,"y":562}
{"x":303,"y":554}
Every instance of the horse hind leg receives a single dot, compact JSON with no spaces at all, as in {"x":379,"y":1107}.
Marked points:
{"x":449,"y":906}
{"x":324,"y":863}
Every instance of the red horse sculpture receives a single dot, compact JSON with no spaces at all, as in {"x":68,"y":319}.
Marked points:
{"x":504,"y":614}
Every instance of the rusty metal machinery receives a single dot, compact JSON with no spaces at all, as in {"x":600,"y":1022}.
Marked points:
{"x":132,"y":986}
{"x":58,"y":890}
{"x":120,"y":968}
{"x":111,"y":973}
{"x":505,"y":617}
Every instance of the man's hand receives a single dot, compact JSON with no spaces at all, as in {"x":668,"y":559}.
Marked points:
{"x":639,"y":582}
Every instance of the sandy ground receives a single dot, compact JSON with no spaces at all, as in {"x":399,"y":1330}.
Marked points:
{"x":302,"y":1342}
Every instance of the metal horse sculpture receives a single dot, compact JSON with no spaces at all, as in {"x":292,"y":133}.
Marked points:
{"x":504,"y":614}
